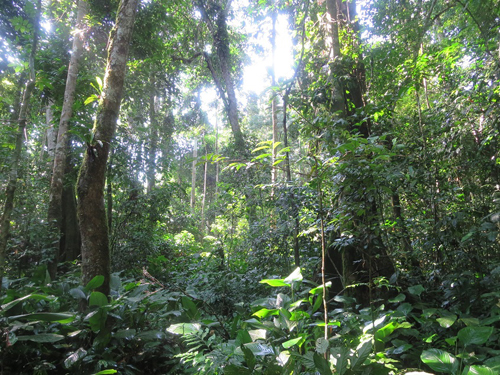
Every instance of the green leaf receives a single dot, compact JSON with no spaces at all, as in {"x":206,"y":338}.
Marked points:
{"x":125,"y":334}
{"x":274,"y":282}
{"x":77,"y":293}
{"x":322,"y":345}
{"x":296,"y":341}
{"x":263,"y":313}
{"x":236,"y":370}
{"x":362,"y":352}
{"x":416,"y":290}
{"x":105,"y":372}
{"x":294,"y":276}
{"x":319,"y":289}
{"x":478,"y":370}
{"x":191,"y":309}
{"x":98,"y":299}
{"x":95,"y":283}
{"x":440,"y":361}
{"x":42,"y":338}
{"x":75,"y":357}
{"x":184,"y":328}
{"x":474,"y":335}
{"x":97,"y":319}
{"x":46,"y":317}
{"x":447,"y":321}
{"x":11,"y":304}
{"x":249,"y":357}
{"x":399,"y":298}
{"x":322,"y":365}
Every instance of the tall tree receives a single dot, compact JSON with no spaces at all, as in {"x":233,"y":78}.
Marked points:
{"x":55,"y":210}
{"x":215,"y":13}
{"x":90,"y":185}
{"x":10,"y":190}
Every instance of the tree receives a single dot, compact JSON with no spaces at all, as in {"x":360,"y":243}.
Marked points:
{"x":215,"y":13}
{"x":10,"y":190}
{"x":90,"y":185}
{"x":55,"y":210}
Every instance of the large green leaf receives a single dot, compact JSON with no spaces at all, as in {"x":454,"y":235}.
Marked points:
{"x":95,"y":283}
{"x":274,"y":282}
{"x":106,"y":372}
{"x":416,"y":290}
{"x":296,"y":275}
{"x":98,"y":299}
{"x":474,"y":335}
{"x":184,"y":328}
{"x":11,"y":304}
{"x":322,"y":365}
{"x":191,"y":310}
{"x":478,"y":370}
{"x":362,"y":352}
{"x":447,"y":321}
{"x":42,"y":337}
{"x":46,"y":317}
{"x":440,"y":361}
{"x":75,"y":357}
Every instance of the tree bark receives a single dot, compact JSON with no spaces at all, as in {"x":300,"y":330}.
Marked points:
{"x":221,"y":44}
{"x":55,"y":210}
{"x":10,"y":190}
{"x":365,"y":258}
{"x":274,"y":109}
{"x":193,"y":175}
{"x":153,"y":138}
{"x":90,"y":185}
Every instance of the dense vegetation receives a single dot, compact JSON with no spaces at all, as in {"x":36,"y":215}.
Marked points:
{"x":345,"y":219}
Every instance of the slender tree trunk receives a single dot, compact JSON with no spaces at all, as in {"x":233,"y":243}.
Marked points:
{"x":10,"y":190}
{"x":153,"y":138}
{"x":193,"y":175}
{"x":216,"y":150}
{"x":55,"y":210}
{"x":204,"y":188}
{"x":274,"y":109}
{"x":90,"y":185}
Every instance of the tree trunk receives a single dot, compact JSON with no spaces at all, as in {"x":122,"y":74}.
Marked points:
{"x":153,"y":138}
{"x":55,"y":210}
{"x":204,"y":187}
{"x":193,"y":175}
{"x":274,"y":109}
{"x":10,"y":190}
{"x":365,"y":258}
{"x":90,"y":185}
{"x":221,"y":44}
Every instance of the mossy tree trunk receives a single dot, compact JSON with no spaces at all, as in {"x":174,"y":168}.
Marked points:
{"x":90,"y":185}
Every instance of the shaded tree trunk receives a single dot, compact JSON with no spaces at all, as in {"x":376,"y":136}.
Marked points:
{"x":153,"y":138}
{"x":90,"y":185}
{"x":193,"y":175}
{"x":366,"y":257}
{"x":55,"y":210}
{"x":10,"y":190}
{"x":220,"y":35}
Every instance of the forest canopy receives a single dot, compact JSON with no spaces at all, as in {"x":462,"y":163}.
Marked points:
{"x":250,"y":187}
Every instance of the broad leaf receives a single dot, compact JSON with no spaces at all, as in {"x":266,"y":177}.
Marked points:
{"x":75,"y":357}
{"x":447,"y":321}
{"x":42,"y":338}
{"x":184,"y":328}
{"x":95,"y":283}
{"x":322,"y":365}
{"x":274,"y":282}
{"x":46,"y":317}
{"x":440,"y":361}
{"x":478,"y":370}
{"x":474,"y":335}
{"x":98,"y":299}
